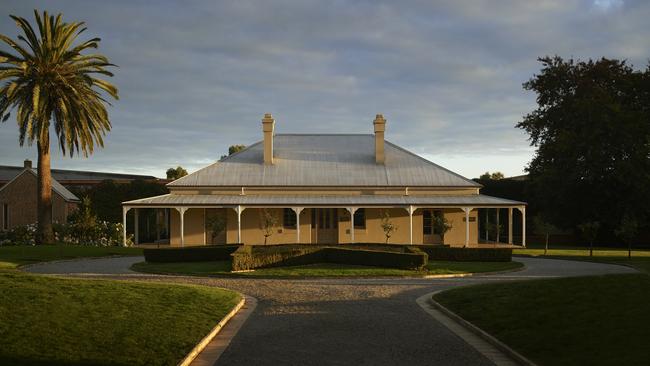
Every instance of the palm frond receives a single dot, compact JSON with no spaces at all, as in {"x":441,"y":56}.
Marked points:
{"x":52,"y":81}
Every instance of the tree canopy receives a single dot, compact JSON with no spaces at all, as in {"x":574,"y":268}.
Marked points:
{"x":492,"y":176}
{"x":175,"y":173}
{"x":591,"y":130}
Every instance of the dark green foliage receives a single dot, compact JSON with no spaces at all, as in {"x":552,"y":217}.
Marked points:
{"x":251,"y":257}
{"x":413,"y":259}
{"x":190,"y":254}
{"x":591,"y":132}
{"x":441,"y":253}
{"x":107,"y":197}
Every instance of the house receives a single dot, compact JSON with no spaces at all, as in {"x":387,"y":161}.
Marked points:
{"x":78,"y":179}
{"x":18,"y":200}
{"x":325,"y":188}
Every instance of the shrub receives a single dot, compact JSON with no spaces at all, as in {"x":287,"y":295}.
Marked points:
{"x":20,"y":235}
{"x":443,"y":253}
{"x":411,"y":260}
{"x":190,"y":254}
{"x":250,"y":257}
{"x":101,"y":233}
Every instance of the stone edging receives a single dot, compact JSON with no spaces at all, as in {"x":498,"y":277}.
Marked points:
{"x":213,"y":333}
{"x":480,"y":332}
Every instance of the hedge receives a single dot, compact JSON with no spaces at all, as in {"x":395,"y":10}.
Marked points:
{"x":250,"y":257}
{"x":442,"y":253}
{"x":190,"y":254}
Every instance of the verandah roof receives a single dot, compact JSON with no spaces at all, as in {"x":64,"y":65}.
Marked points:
{"x":323,"y":200}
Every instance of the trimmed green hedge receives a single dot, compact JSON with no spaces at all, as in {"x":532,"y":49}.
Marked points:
{"x":407,"y":260}
{"x":250,"y":256}
{"x":441,"y":253}
{"x":190,"y":254}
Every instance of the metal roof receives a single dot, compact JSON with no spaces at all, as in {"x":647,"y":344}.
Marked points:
{"x":324,"y":160}
{"x":8,"y":173}
{"x":321,"y":200}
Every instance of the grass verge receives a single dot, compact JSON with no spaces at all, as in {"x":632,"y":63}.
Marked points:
{"x":222,"y":268}
{"x":13,"y":256}
{"x":600,"y":320}
{"x":55,"y":321}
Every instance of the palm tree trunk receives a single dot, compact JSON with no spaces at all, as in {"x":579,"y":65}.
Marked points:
{"x":44,"y":234}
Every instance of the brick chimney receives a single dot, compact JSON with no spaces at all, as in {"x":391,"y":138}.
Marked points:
{"x":380,"y":127}
{"x":27,"y":164}
{"x":268,"y":125}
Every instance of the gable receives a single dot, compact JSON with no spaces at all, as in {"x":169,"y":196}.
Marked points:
{"x":29,"y":176}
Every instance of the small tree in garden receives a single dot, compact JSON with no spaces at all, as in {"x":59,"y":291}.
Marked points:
{"x":388,"y":226}
{"x":268,"y":223}
{"x":84,"y":221}
{"x":590,"y":230}
{"x":627,"y":231}
{"x":441,"y":225}
{"x":216,"y":224}
{"x":543,"y":227}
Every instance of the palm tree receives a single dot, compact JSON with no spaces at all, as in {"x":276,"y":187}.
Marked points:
{"x":49,"y":82}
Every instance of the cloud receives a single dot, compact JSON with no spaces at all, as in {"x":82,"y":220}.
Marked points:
{"x":196,"y":77}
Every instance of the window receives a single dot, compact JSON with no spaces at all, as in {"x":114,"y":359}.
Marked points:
{"x":360,"y":218}
{"x":428,"y":227}
{"x":289,"y":218}
{"x":5,"y":216}
{"x":427,"y":222}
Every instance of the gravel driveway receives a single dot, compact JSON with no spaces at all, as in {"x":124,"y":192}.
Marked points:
{"x":342,"y":321}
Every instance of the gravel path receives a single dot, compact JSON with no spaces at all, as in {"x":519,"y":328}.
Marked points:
{"x":342,"y":321}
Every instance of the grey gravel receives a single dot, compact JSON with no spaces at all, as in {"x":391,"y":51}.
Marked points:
{"x":341,"y":321}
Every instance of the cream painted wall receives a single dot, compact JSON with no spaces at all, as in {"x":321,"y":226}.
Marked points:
{"x":251,"y":233}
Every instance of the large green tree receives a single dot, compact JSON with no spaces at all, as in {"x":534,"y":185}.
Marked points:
{"x":52,"y":86}
{"x":592,"y":133}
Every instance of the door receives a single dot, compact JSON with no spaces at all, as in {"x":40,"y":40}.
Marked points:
{"x":324,"y":225}
{"x":429,"y":234}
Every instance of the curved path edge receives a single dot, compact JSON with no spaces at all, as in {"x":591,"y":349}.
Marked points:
{"x":210,"y":348}
{"x":492,"y":348}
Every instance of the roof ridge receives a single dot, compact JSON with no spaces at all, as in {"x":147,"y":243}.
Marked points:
{"x":434,"y":164}
{"x":324,"y":134}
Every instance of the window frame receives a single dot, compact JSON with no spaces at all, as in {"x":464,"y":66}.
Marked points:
{"x":289,"y":216}
{"x":5,"y":216}
{"x":360,"y":220}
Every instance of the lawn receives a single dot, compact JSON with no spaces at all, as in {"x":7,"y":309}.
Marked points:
{"x":222,"y":268}
{"x":55,"y":321}
{"x":600,"y":320}
{"x":640,"y":258}
{"x":12,"y":256}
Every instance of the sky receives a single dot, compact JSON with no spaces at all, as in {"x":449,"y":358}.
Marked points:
{"x":197,"y":76}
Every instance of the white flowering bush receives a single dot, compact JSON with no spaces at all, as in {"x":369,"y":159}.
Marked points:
{"x":21,"y":235}
{"x":102,"y":233}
